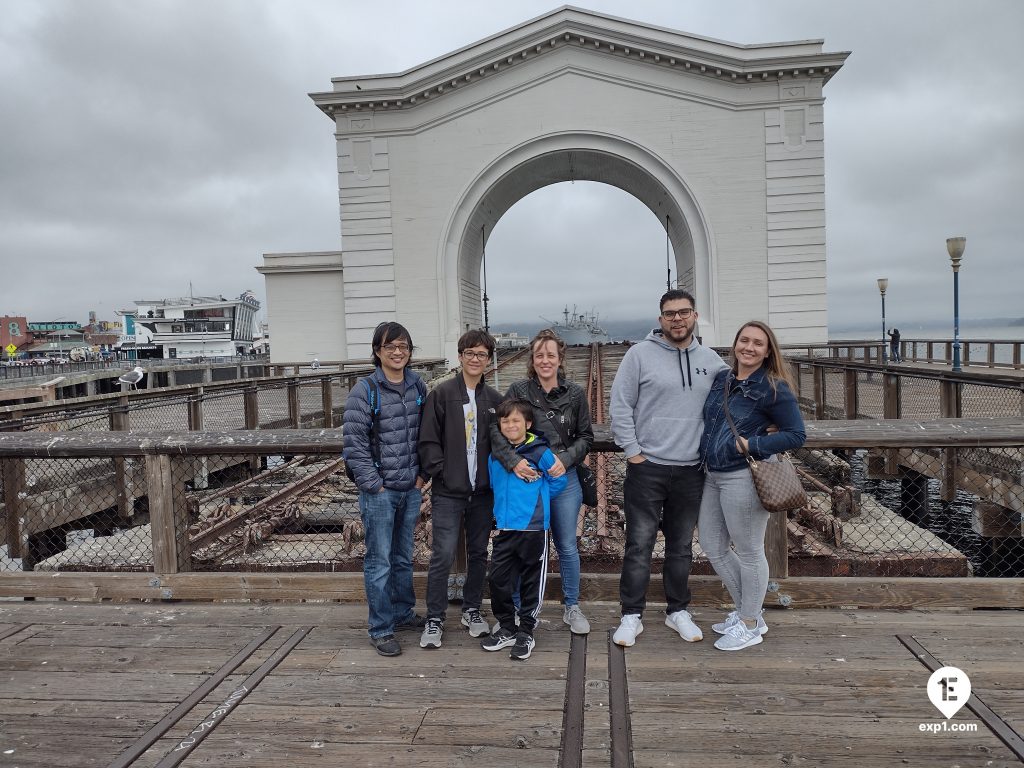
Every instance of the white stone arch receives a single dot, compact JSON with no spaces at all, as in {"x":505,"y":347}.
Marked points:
{"x":568,"y":156}
{"x":726,"y":139}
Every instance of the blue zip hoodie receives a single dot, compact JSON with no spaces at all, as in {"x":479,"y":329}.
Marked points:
{"x":519,"y":505}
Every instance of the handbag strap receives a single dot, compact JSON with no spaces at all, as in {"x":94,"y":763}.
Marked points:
{"x":732,"y":424}
{"x":556,"y":423}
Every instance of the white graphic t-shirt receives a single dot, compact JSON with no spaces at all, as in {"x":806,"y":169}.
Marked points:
{"x":470,"y":416}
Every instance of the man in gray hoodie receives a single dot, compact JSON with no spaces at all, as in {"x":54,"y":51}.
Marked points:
{"x":657,"y":405}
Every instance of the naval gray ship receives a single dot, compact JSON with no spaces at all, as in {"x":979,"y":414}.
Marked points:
{"x":579,"y":328}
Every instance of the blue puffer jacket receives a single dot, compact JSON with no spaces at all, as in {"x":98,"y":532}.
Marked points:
{"x":515,"y":500}
{"x":753,"y":405}
{"x":398,"y":425}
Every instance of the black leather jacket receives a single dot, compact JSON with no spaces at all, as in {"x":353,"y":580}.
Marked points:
{"x":567,"y":403}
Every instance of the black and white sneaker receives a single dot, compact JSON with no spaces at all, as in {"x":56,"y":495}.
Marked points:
{"x":523,"y":647}
{"x":502,"y":638}
{"x":475,"y":622}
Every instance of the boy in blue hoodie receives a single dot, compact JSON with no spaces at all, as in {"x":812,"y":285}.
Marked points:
{"x":522,"y":514}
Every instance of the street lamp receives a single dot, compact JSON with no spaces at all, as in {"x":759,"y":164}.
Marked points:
{"x":955,"y":246}
{"x":883,"y":283}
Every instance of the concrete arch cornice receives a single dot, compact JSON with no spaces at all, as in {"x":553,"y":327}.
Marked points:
{"x":565,"y":156}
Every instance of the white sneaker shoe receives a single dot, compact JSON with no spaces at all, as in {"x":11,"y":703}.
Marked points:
{"x":738,"y":637}
{"x":629,"y":628}
{"x":723,"y":627}
{"x":682,"y":622}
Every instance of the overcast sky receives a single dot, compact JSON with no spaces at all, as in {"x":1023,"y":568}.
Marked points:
{"x":148,"y":145}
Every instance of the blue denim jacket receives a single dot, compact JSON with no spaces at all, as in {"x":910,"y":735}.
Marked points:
{"x":754,"y":405}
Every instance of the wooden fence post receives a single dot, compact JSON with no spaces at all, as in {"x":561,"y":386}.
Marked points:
{"x":851,"y":398}
{"x":201,"y":470}
{"x":14,"y":484}
{"x":168,"y":516}
{"x":327,"y":400}
{"x":119,"y":422}
{"x":819,"y":392}
{"x":951,"y":407}
{"x":776,"y":545}
{"x":294,"y":411}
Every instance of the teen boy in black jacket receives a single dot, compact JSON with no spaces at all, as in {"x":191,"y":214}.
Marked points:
{"x":455,"y":443}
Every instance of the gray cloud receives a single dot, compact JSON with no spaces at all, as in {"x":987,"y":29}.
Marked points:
{"x":150,"y":144}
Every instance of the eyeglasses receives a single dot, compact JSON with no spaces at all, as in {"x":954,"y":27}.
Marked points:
{"x":390,"y":348}
{"x":673,"y":314}
{"x":471,"y":355}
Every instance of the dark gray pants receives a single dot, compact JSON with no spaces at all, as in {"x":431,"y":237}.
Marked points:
{"x":448,"y":514}
{"x":667,"y":497}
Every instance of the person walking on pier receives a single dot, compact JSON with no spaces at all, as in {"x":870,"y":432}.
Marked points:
{"x":894,"y":346}
{"x":758,"y":391}
{"x":381,"y":436}
{"x":561,"y":415}
{"x":657,"y":403}
{"x":455,"y":444}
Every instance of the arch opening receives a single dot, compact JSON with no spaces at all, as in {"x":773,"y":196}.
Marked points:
{"x":597,"y":158}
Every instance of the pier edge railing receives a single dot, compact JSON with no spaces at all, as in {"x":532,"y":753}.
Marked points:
{"x":159,"y":459}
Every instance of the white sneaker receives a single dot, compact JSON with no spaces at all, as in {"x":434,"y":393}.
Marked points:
{"x":577,"y":622}
{"x":738,"y":637}
{"x":629,"y":628}
{"x":682,"y":622}
{"x":734,"y":617}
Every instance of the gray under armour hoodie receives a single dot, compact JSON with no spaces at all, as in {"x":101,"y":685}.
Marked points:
{"x":657,"y":402}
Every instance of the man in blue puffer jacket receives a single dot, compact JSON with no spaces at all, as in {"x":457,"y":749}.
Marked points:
{"x":381,"y":433}
{"x":522,"y":514}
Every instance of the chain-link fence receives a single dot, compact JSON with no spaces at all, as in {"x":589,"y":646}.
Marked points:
{"x":935,"y":511}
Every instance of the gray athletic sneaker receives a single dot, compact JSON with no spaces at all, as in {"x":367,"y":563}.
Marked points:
{"x":477,"y":626}
{"x":577,"y":622}
{"x":431,"y":637}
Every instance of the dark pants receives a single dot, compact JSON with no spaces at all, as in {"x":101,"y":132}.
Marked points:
{"x":448,"y":514}
{"x":518,"y":558}
{"x":667,"y":497}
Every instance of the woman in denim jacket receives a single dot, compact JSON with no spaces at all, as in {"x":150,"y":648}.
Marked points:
{"x":732,"y":521}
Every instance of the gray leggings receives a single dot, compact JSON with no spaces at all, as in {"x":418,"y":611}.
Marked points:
{"x":731,"y":513}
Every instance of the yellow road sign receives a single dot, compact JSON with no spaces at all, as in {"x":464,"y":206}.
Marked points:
{"x":11,"y":349}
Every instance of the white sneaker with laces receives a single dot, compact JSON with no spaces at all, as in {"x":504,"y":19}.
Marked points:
{"x":629,"y":628}
{"x":682,"y":622}
{"x":734,"y":616}
{"x":577,"y":622}
{"x":738,"y":637}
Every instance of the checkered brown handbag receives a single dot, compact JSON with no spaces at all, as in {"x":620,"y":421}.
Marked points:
{"x":777,"y":483}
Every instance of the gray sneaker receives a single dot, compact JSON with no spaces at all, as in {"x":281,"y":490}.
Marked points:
{"x":733,"y":617}
{"x":477,"y":626}
{"x":577,"y":622}
{"x":431,"y":637}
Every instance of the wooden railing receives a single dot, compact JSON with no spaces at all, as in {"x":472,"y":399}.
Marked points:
{"x":976,"y":353}
{"x":897,"y":442}
{"x":837,"y":389}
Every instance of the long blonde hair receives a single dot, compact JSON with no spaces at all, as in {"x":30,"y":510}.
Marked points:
{"x":775,"y":365}
{"x":546,"y":335}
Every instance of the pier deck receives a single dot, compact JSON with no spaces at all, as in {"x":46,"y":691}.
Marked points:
{"x":83,"y":683}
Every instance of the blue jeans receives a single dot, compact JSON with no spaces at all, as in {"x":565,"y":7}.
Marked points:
{"x":389,"y":519}
{"x":565,"y":513}
{"x":666,"y":497}
{"x":731,"y":514}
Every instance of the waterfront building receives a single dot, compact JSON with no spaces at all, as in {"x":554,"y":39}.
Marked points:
{"x":189,"y":327}
{"x":723,"y":142}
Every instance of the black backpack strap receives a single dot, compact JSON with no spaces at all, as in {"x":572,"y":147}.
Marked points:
{"x":373,"y":398}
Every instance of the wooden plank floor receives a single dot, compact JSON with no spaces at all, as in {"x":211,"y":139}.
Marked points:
{"x":80,"y":683}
